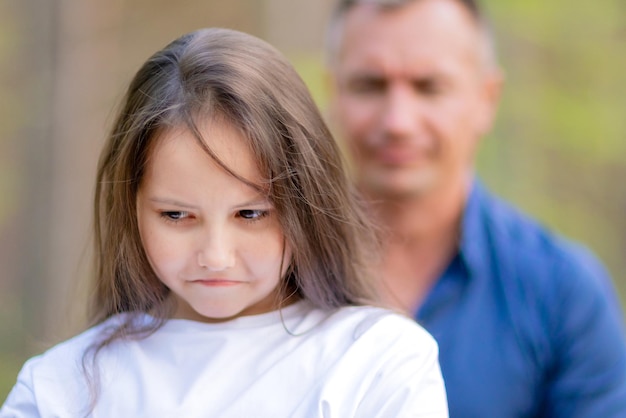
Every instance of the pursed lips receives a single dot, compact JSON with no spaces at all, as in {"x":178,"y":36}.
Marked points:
{"x":217,"y":282}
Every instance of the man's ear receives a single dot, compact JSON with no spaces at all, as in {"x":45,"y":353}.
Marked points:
{"x":328,"y":82}
{"x":493,"y":82}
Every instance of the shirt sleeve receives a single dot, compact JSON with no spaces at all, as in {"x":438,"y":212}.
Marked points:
{"x":21,"y":402}
{"x":588,"y":378}
{"x":408,"y":381}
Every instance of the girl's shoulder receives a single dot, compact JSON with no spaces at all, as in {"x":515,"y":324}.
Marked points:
{"x":388,"y":327}
{"x":56,"y":377}
{"x":368,"y":317}
{"x":69,"y":354}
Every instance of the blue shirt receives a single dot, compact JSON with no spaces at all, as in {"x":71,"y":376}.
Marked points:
{"x":528,"y":323}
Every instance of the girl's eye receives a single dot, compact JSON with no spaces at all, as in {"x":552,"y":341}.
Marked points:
{"x":252,"y":214}
{"x":175,"y":216}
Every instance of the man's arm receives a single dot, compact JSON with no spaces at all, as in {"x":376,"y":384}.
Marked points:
{"x":588,"y":378}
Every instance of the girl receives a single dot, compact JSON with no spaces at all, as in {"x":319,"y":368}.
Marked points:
{"x":231,"y":261}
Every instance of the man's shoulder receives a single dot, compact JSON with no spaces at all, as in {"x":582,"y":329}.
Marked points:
{"x":542,"y":271}
{"x":528,"y":239}
{"x":559,"y":303}
{"x":527,"y":255}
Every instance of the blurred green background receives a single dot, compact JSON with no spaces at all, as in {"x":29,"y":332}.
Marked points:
{"x":557,"y":150}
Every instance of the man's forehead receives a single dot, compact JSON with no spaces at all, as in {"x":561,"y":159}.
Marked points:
{"x":343,"y":6}
{"x":440,"y":11}
{"x":426,"y":33}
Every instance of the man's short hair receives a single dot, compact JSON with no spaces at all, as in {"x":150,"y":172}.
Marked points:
{"x":472,"y":6}
{"x":342,"y":6}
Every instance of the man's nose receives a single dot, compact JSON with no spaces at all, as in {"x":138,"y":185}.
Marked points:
{"x":401,"y":113}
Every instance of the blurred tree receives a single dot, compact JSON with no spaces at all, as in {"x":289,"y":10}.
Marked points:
{"x":27,"y":55}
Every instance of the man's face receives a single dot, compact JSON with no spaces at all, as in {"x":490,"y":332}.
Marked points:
{"x":412,"y":96}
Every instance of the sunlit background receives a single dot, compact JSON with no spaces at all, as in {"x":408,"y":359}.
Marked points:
{"x":558,"y":150}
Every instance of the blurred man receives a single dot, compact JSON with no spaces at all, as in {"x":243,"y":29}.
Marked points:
{"x":527,"y":323}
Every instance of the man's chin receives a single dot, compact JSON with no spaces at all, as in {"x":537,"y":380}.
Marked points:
{"x":386,"y":189}
{"x":381,"y":182}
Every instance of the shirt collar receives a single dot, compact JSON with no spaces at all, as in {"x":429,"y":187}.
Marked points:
{"x":473,"y":243}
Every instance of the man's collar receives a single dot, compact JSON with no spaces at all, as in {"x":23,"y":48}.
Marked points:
{"x":473,"y":241}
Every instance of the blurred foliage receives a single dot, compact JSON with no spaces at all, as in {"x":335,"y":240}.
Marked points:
{"x":12,"y":355}
{"x":558,"y":147}
{"x":10,"y":330}
{"x":7,"y":118}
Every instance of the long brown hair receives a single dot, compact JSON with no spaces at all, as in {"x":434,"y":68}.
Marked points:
{"x":224,"y":73}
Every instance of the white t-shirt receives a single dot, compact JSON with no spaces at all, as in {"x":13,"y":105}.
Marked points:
{"x":353,"y":362}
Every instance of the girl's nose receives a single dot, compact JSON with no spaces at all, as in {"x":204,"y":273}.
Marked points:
{"x":216,"y":252}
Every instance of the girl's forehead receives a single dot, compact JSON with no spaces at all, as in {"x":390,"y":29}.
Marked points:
{"x":217,"y":142}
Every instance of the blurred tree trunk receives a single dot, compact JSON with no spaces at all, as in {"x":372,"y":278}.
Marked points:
{"x":35,"y":67}
{"x":88,"y":51}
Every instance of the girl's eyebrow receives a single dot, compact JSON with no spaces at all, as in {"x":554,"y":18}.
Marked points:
{"x":172,"y":202}
{"x":256,"y":201}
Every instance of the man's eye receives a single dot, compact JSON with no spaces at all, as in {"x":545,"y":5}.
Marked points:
{"x":367,"y":85}
{"x":174,"y":216}
{"x":428,"y":87}
{"x":252,"y":214}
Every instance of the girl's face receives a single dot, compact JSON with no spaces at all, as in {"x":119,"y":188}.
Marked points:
{"x":215,"y":242}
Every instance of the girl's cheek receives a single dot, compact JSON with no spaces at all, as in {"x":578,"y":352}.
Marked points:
{"x":165,"y":259}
